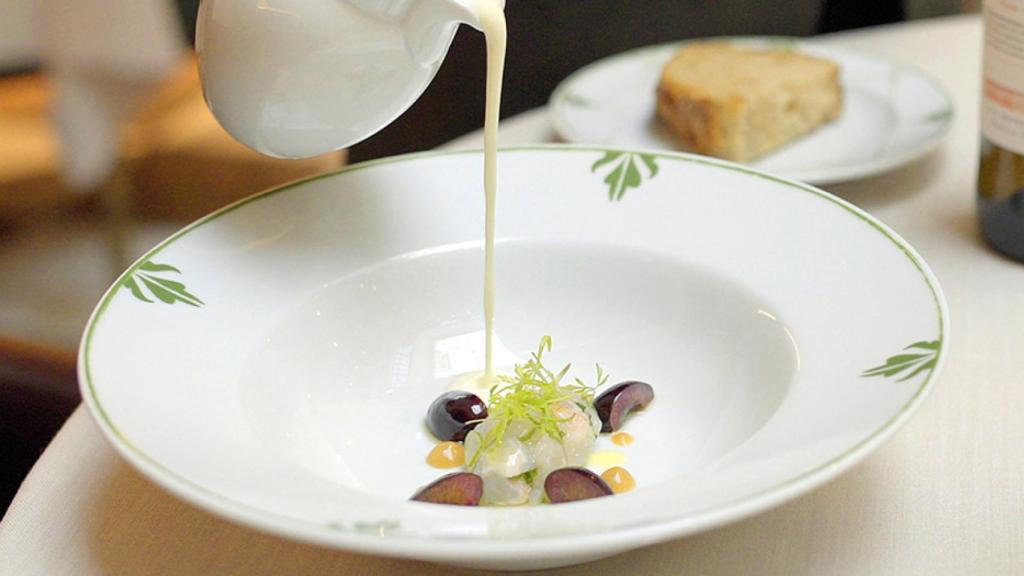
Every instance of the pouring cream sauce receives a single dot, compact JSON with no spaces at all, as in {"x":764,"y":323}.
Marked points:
{"x":492,"y":22}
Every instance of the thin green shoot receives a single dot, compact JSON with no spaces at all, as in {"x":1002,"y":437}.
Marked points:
{"x":531,"y":394}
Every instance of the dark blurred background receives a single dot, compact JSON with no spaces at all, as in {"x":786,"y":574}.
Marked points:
{"x":43,"y":228}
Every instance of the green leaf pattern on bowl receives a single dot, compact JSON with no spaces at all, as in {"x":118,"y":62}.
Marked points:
{"x":375,"y":528}
{"x":574,"y":99}
{"x":625,"y":171}
{"x":149,"y":278}
{"x":914,"y":359}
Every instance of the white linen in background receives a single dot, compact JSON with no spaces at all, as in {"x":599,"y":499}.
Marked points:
{"x":104,"y":57}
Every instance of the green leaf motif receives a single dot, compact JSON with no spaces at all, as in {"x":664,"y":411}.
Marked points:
{"x":573,"y":99}
{"x":913,"y":360}
{"x":625,"y":171}
{"x":147,"y":282}
{"x":781,"y":43}
{"x":377,"y":528}
{"x":939,"y":116}
{"x":154,"y":267}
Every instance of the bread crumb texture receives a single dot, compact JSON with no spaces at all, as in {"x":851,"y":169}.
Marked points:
{"x":739,"y":103}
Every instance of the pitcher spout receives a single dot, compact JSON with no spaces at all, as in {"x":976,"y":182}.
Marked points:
{"x":469,"y":11}
{"x":429,"y":24}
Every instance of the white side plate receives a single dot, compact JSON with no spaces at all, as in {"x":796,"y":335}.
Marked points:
{"x":893,"y":114}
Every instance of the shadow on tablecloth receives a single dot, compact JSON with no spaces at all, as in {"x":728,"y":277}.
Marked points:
{"x":894,"y":187}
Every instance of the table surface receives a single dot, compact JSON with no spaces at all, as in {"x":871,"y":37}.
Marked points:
{"x":944,"y":496}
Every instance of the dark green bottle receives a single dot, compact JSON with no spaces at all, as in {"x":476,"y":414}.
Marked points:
{"x":1001,"y":198}
{"x":1001,"y":166}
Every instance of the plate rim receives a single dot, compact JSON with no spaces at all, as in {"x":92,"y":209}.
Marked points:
{"x":446,"y":549}
{"x":563,"y":129}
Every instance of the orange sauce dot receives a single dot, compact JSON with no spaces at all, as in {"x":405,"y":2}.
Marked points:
{"x":619,"y":479}
{"x":622,"y":438}
{"x":447,"y":455}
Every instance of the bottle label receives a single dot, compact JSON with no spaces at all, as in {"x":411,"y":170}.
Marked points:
{"x":1002,"y":107}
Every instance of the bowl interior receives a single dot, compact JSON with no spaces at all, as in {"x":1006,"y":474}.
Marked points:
{"x":341,"y":383}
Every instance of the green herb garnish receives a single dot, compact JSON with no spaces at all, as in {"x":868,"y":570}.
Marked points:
{"x":530,"y":395}
{"x":529,"y":476}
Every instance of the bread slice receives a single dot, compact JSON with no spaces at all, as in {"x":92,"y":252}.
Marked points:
{"x":740,"y":103}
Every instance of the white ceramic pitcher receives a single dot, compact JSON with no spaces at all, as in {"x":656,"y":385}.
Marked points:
{"x":297,"y":78}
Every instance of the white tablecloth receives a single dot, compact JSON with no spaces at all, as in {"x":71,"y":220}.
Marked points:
{"x":944,"y":497}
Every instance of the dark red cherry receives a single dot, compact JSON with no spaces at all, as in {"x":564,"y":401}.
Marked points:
{"x":617,"y":402}
{"x":453,"y":414}
{"x":571,"y":484}
{"x":458,"y":489}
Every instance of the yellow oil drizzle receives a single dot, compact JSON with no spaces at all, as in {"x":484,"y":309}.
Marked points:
{"x":605,"y":459}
